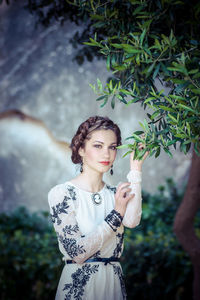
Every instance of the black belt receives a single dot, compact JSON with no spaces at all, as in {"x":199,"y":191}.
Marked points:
{"x":100,"y":259}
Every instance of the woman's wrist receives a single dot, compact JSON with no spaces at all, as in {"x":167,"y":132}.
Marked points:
{"x":136,"y":166}
{"x":120,"y":210}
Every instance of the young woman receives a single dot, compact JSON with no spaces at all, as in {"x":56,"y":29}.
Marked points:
{"x":89,"y":215}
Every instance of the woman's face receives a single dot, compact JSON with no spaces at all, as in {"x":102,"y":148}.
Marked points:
{"x":100,"y":151}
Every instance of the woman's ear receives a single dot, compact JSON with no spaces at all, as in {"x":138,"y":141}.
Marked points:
{"x":81,"y":151}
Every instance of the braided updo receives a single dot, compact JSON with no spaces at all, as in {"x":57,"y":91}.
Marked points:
{"x":91,"y":124}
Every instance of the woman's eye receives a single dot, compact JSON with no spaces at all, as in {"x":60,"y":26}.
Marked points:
{"x":113,"y":147}
{"x":97,"y":146}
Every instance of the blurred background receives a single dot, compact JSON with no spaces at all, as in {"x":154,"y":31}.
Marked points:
{"x":45,"y":95}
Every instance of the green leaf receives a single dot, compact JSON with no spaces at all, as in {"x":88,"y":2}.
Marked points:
{"x":149,"y":99}
{"x":178,"y":68}
{"x":146,"y":126}
{"x":197,"y":75}
{"x":183,"y":148}
{"x":141,"y":153}
{"x":142,"y":37}
{"x":178,"y":81}
{"x":157,"y":152}
{"x":137,"y":138}
{"x":113,"y":102}
{"x":191,"y":119}
{"x":150,"y":68}
{"x":169,"y":100}
{"x":179,"y":135}
{"x":110,"y":84}
{"x":100,"y":86}
{"x":172,"y":118}
{"x":105,"y":101}
{"x":138,"y":59}
{"x":168,"y":152}
{"x":97,"y":17}
{"x":155,"y":114}
{"x":130,"y":49}
{"x":108,"y":62}
{"x":193,"y":71}
{"x":121,"y":68}
{"x":155,"y":73}
{"x":169,"y":143}
{"x":196,"y":91}
{"x":166,"y":108}
{"x":124,"y":146}
{"x":91,"y":44}
{"x":187,"y":108}
{"x":118,"y":46}
{"x":100,"y":98}
{"x":127,"y":153}
{"x":138,"y":132}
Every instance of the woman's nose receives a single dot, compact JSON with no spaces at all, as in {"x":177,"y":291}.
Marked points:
{"x":106,"y":152}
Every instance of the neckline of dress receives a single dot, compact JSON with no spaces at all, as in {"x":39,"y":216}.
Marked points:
{"x":70,"y":183}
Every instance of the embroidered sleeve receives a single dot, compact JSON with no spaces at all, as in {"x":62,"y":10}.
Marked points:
{"x":114,"y":219}
{"x":72,"y":244}
{"x":134,"y":207}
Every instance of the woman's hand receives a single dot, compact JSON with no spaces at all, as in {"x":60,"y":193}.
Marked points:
{"x":137,"y":164}
{"x":122,"y":197}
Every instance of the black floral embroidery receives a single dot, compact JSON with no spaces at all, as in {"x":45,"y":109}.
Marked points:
{"x":79,"y":281}
{"x":72,"y":192}
{"x":118,"y":271}
{"x":113,"y":189}
{"x":69,"y":229}
{"x":70,"y":245}
{"x":114,"y":219}
{"x":118,"y":249}
{"x":97,"y":254}
{"x":59,"y":209}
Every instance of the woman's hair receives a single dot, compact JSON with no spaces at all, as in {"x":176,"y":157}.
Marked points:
{"x":84,"y":130}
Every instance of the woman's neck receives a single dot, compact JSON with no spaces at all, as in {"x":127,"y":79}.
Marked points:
{"x":90,"y":182}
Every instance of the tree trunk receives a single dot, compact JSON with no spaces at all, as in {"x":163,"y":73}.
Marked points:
{"x":184,"y":222}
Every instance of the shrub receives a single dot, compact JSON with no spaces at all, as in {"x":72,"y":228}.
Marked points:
{"x":29,"y":257}
{"x":154,"y":263}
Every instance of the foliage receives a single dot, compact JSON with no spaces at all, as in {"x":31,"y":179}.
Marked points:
{"x":154,"y":264}
{"x":48,"y":12}
{"x":147,"y":41}
{"x":29,"y":258}
{"x":144,"y":42}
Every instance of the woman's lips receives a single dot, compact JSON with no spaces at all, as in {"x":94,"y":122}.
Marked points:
{"x":105,"y":163}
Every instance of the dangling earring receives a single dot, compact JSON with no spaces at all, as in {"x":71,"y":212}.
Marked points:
{"x":111,"y":170}
{"x":81,"y":169}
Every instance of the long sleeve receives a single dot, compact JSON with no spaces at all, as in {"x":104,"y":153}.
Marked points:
{"x":133,"y":212}
{"x":72,"y":244}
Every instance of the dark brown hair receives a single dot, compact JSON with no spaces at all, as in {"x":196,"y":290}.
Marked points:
{"x":90,"y":125}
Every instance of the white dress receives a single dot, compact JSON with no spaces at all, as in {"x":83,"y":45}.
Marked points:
{"x":86,"y":230}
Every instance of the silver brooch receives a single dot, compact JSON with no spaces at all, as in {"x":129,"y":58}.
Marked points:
{"x":96,"y":198}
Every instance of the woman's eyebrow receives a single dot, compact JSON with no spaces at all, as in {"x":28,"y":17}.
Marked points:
{"x":98,"y":142}
{"x":103,"y":143}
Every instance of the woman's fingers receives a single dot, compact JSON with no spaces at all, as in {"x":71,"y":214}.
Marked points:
{"x":131,"y":196}
{"x":124,"y":191}
{"x":122,"y":197}
{"x":142,"y":146}
{"x":123,"y":185}
{"x":146,"y":154}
